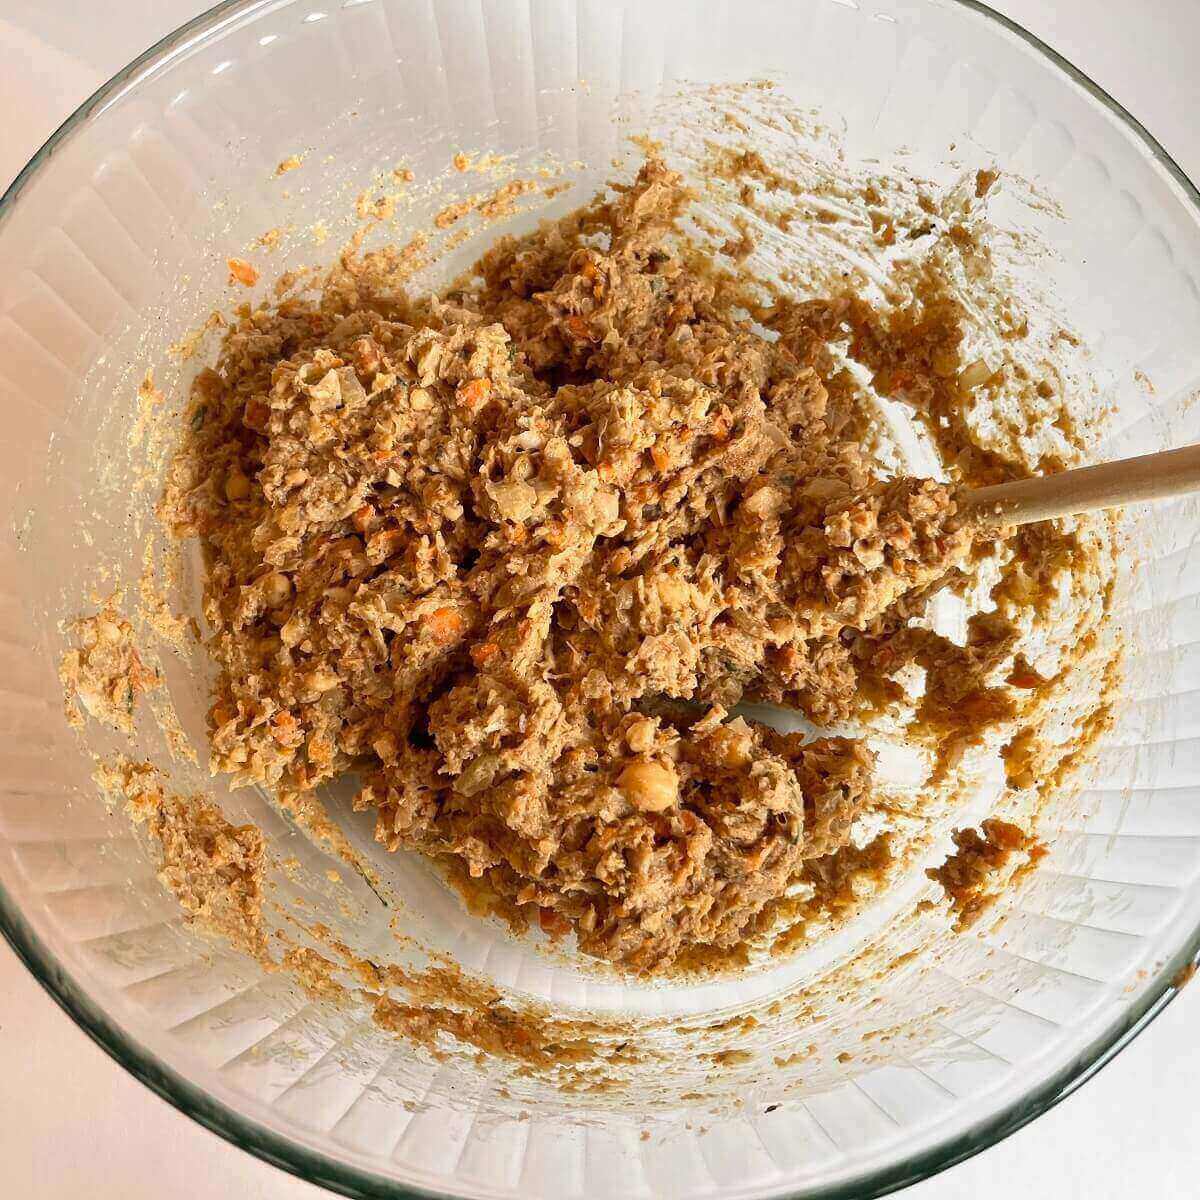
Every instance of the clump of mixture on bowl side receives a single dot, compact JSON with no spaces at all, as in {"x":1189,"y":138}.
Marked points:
{"x":512,"y":553}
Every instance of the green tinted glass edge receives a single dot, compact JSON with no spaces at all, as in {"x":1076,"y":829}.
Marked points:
{"x":363,"y":1185}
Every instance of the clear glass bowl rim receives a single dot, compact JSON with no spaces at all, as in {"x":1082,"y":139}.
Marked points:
{"x":351,"y":1181}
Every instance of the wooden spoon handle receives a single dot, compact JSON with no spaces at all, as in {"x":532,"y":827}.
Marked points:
{"x":1044,"y":497}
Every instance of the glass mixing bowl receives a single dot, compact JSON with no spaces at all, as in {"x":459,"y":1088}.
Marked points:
{"x":114,"y":240}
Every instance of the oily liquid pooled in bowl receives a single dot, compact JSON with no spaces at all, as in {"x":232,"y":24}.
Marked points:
{"x":474,"y":546}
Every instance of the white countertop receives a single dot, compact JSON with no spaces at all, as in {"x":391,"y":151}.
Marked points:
{"x":72,"y":1123}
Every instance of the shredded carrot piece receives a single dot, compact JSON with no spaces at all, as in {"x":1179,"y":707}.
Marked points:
{"x":475,"y":392}
{"x":553,"y":923}
{"x":240,"y":271}
{"x":256,"y":416}
{"x":445,"y":625}
{"x":484,"y":652}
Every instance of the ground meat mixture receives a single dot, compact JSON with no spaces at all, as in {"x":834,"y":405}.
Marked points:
{"x":973,"y":874}
{"x":214,"y":869}
{"x":511,"y":553}
{"x":104,"y":675}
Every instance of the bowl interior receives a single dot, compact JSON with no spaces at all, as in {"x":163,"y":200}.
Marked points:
{"x":116,"y":245}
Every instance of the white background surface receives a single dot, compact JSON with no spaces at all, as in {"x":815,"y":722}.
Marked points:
{"x":73,"y":1124}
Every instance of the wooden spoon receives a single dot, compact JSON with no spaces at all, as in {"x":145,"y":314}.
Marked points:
{"x":1044,"y":497}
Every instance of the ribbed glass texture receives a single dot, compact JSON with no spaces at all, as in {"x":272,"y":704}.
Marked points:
{"x":114,"y":241}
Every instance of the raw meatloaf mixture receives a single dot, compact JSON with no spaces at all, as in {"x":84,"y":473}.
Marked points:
{"x":512,"y":553}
